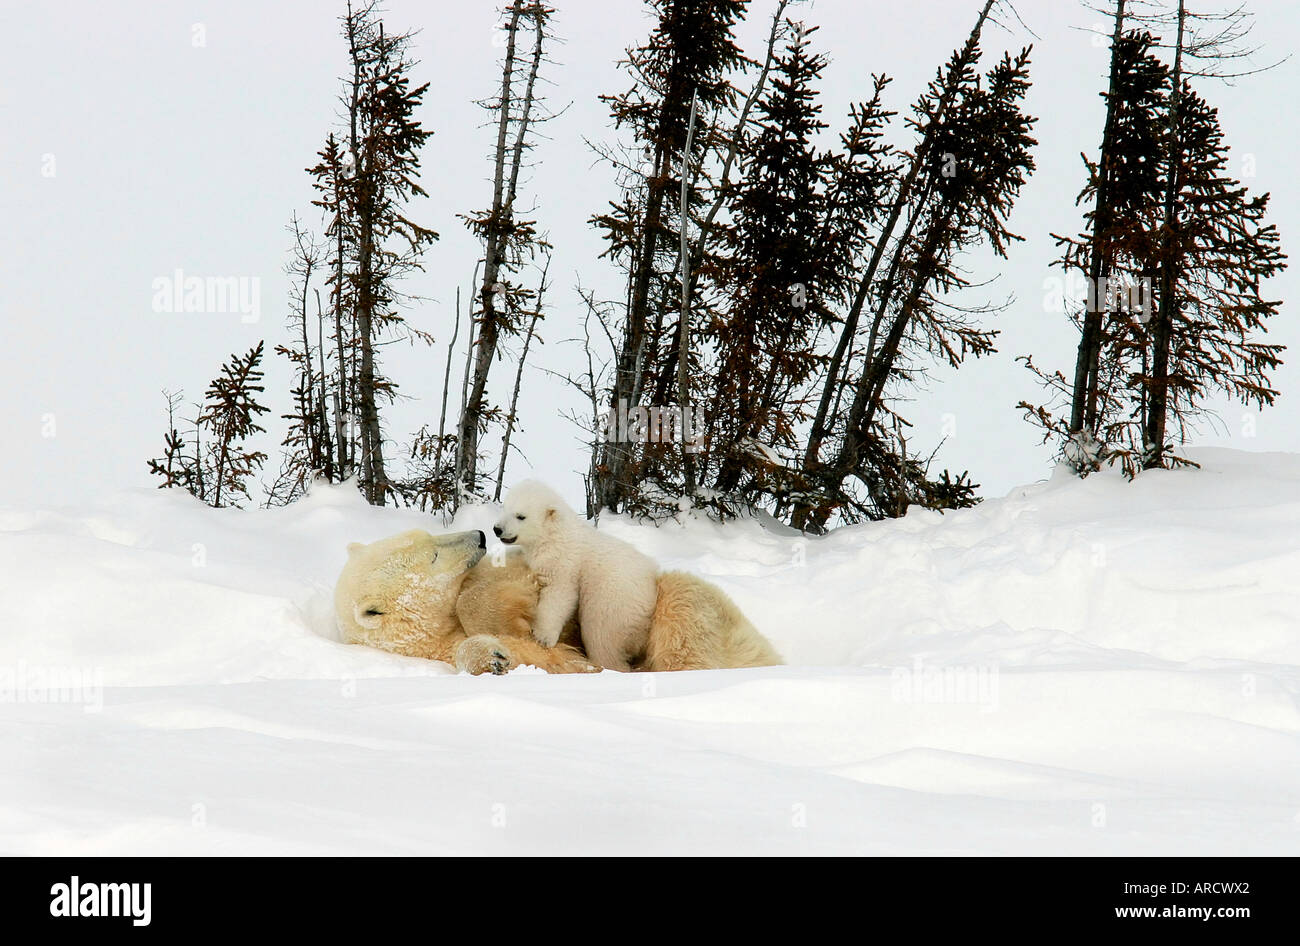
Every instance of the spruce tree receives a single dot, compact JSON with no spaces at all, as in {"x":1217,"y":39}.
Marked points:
{"x":1180,"y":223}
{"x":1215,"y":251}
{"x":221,"y":466}
{"x":958,"y":188}
{"x":690,"y":57}
{"x":817,"y":282}
{"x":366,"y":179}
{"x":1212,"y":312}
{"x":509,"y":239}
{"x":775,"y":272}
{"x":330,"y":179}
{"x":308,"y":449}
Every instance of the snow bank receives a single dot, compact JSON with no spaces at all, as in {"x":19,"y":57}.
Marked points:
{"x":1078,"y":667}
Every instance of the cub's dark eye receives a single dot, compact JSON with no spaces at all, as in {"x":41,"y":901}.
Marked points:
{"x":371,"y":612}
{"x":521,"y":518}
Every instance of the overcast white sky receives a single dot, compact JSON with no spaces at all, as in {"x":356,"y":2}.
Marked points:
{"x":128,"y":152}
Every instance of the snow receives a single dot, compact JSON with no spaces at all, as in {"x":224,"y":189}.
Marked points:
{"x":1079,"y":667}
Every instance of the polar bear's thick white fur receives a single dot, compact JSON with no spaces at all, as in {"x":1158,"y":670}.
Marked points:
{"x":436,"y":597}
{"x":609,"y":585}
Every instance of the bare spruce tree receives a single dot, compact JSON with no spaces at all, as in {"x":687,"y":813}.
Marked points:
{"x":366,"y":180}
{"x":308,"y":449}
{"x":505,"y":307}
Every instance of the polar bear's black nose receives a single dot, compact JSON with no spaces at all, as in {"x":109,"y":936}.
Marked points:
{"x":482,"y":539}
{"x":496,"y":530}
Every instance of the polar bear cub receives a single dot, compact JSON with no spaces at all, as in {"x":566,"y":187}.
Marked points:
{"x":609,"y":584}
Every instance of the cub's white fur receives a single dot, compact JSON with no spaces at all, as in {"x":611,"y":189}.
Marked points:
{"x":608,"y":583}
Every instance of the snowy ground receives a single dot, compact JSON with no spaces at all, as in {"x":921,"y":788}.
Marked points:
{"x":1077,"y":668}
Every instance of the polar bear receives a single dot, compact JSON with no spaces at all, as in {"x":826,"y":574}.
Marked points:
{"x":437,"y":597}
{"x":606,"y":582}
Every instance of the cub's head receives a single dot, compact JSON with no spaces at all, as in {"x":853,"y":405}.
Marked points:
{"x":395,"y":590}
{"x":530,"y":510}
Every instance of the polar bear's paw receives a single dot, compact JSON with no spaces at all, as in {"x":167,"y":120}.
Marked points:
{"x":483,"y":653}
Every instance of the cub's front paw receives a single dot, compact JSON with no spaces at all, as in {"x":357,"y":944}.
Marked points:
{"x":483,"y":653}
{"x":548,"y":637}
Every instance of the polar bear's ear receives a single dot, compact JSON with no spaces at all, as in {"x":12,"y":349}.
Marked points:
{"x":355,"y":547}
{"x":368,"y":614}
{"x":550,"y":513}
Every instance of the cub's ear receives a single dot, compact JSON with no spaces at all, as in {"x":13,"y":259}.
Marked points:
{"x":354,"y":548}
{"x":550,"y":513}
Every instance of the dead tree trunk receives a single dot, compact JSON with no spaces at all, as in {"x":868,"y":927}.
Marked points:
{"x":1083,"y":405}
{"x":497,"y":230}
{"x":684,"y":326}
{"x":511,"y":417}
{"x":1158,"y":406}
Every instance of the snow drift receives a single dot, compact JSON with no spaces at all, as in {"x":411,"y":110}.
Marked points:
{"x":1095,"y":667}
